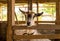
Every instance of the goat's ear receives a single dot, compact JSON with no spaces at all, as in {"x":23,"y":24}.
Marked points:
{"x":38,"y":14}
{"x":23,"y":11}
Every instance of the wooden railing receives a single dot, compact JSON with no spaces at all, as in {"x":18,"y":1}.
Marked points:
{"x":42,"y":36}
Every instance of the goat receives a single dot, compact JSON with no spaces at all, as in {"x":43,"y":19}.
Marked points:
{"x":30,"y":22}
{"x":30,"y":17}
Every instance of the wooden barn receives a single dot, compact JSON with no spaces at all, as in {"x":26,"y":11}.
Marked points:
{"x":29,"y":20}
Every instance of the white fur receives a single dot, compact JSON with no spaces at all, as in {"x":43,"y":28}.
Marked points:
{"x":20,"y":32}
{"x":32,"y":21}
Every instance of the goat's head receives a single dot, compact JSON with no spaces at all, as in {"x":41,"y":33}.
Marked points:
{"x":30,"y":17}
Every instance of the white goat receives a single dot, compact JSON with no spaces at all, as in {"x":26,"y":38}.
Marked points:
{"x":30,"y":22}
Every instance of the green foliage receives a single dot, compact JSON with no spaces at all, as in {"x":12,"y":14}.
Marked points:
{"x":48,"y":8}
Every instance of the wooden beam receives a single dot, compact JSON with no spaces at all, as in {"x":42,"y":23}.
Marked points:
{"x":57,"y":17}
{"x":57,"y":13}
{"x":46,"y":36}
{"x":41,"y":26}
{"x":25,"y":1}
{"x":30,"y":5}
{"x":0,"y":11}
{"x":23,"y":22}
{"x":10,"y":12}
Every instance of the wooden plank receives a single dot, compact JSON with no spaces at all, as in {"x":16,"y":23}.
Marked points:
{"x":23,"y":22}
{"x":49,"y":36}
{"x":10,"y":9}
{"x":25,"y":1}
{"x":41,"y":26}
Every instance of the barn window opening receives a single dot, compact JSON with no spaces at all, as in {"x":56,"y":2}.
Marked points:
{"x":49,"y":10}
{"x":3,"y":12}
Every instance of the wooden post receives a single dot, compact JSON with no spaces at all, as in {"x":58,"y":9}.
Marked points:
{"x":57,"y":18}
{"x":37,"y":9}
{"x":29,"y":5}
{"x":10,"y":12}
{"x":57,"y":13}
{"x":0,"y":11}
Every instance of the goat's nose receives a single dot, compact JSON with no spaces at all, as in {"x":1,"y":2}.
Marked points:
{"x":28,"y":23}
